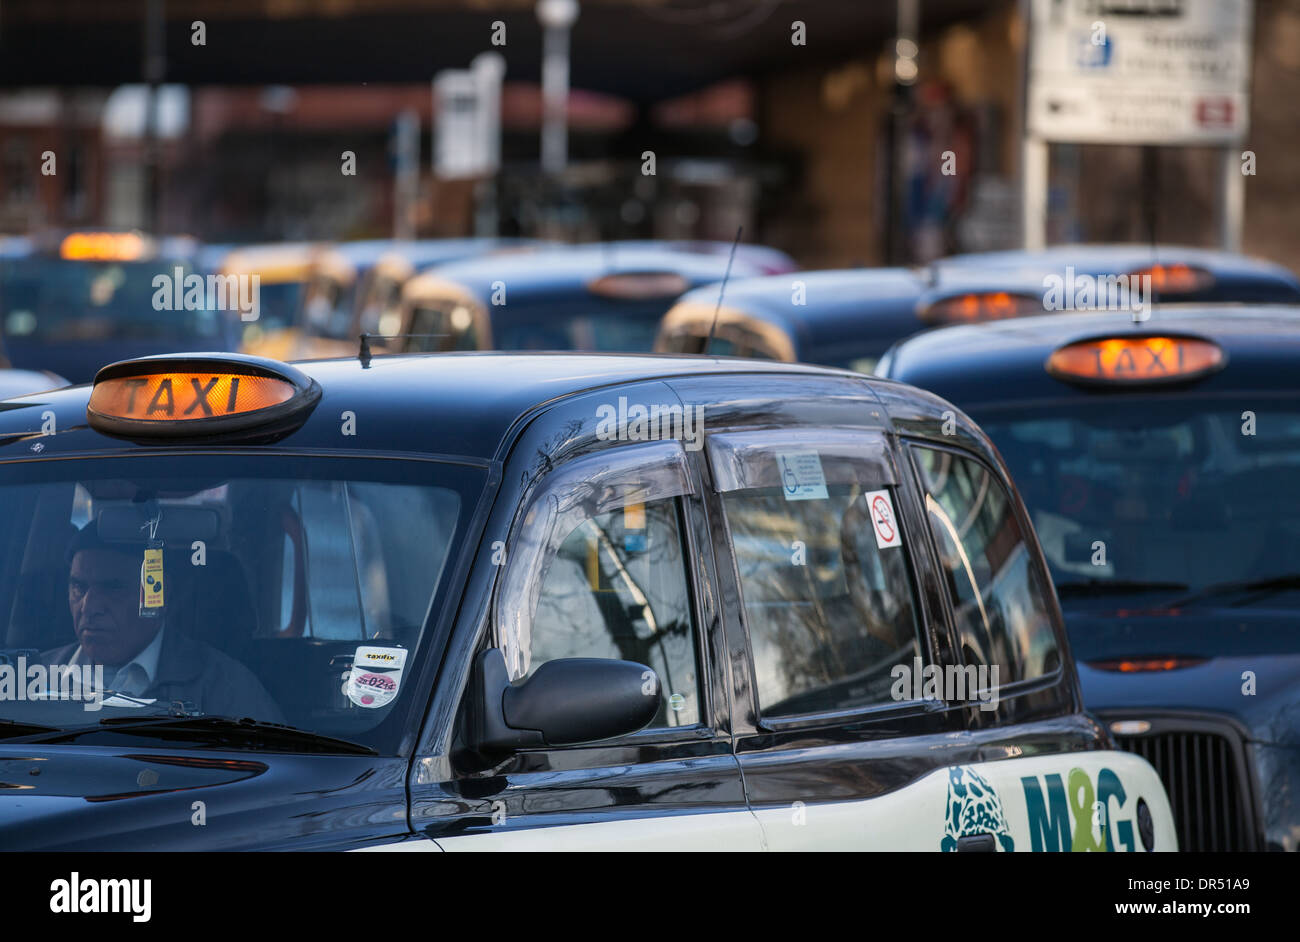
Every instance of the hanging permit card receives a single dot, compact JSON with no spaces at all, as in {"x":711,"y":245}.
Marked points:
{"x":634,"y":539}
{"x":151,"y":580}
{"x":376,"y":676}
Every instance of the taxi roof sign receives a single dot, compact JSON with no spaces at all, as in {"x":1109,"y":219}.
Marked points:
{"x":1176,"y":278}
{"x":973,"y":306}
{"x":639,"y":285}
{"x":104,"y":246}
{"x":197,"y":396}
{"x":1136,"y":360}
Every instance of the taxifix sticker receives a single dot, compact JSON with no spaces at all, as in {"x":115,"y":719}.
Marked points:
{"x":883,"y":521}
{"x":376,"y":676}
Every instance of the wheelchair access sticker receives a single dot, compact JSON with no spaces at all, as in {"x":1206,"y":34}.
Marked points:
{"x":801,"y":475}
{"x":883,"y":521}
{"x":376,"y":676}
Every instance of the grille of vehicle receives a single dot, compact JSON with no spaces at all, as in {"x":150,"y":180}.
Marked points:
{"x":1202,"y":766}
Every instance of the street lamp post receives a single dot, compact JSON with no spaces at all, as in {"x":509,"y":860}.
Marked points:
{"x":557,"y":18}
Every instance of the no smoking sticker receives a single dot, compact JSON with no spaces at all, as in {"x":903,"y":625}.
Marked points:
{"x":883,"y":521}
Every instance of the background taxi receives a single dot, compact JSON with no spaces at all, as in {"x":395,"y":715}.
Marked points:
{"x":600,"y":602}
{"x":355,"y":287}
{"x":1159,"y":462}
{"x":599,"y":296}
{"x":77,"y":300}
{"x":849,"y":318}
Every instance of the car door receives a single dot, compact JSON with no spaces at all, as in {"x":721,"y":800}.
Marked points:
{"x":835,"y":600}
{"x":604,"y":561}
{"x":1036,"y":773}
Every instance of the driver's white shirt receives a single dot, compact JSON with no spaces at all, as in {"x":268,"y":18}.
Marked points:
{"x":136,"y":675}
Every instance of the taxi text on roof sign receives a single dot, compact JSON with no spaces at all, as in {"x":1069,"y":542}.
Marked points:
{"x":1134,"y":360}
{"x":189,"y":395}
{"x":182,"y":396}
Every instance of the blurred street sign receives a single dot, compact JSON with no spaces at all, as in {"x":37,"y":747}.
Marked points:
{"x":1162,"y":72}
{"x":467,"y":119}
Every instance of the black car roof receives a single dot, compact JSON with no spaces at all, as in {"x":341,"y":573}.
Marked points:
{"x":463,"y":404}
{"x":1005,"y":360}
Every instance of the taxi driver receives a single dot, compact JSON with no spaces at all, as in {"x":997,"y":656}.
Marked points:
{"x":144,"y":657}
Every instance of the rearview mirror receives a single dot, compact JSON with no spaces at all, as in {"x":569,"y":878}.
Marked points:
{"x":565,"y":702}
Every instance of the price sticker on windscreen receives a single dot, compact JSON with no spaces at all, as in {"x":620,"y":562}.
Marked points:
{"x":376,"y":676}
{"x":881,"y":509}
{"x":801,"y":475}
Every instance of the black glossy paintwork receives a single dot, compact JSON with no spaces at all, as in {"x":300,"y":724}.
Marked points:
{"x":140,"y":797}
{"x":520,"y":417}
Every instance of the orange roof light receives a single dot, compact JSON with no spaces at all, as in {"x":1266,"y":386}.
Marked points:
{"x":639,"y":286}
{"x":1140,"y":665}
{"x":976,"y":306}
{"x":189,"y":396}
{"x":103,"y":246}
{"x":1135,"y":360}
{"x":182,"y":397}
{"x":1175,"y":278}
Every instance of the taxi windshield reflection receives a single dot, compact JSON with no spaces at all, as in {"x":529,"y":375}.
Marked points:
{"x":298,"y":597}
{"x":1166,"y":496}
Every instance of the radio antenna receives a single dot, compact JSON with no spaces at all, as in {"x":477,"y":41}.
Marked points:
{"x":722,"y":288}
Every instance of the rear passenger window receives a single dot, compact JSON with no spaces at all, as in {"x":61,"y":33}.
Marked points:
{"x":998,"y":592}
{"x":829,"y":603}
{"x":600,"y":570}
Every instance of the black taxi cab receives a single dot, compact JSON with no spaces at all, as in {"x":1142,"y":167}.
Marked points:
{"x":594,"y":297}
{"x":1158,"y":460}
{"x":355,"y":287}
{"x":549,"y":601}
{"x":79,"y":299}
{"x":848,"y":318}
{"x":275,"y":274}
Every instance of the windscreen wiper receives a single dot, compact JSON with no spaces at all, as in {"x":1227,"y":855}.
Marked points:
{"x":12,"y":728}
{"x":215,"y":729}
{"x":1265,"y":586}
{"x":1116,"y":587}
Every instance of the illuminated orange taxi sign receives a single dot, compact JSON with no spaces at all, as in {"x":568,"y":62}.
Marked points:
{"x":193,"y":396}
{"x":976,"y":306}
{"x":103,"y":246}
{"x":1136,"y":360}
{"x":639,"y":286}
{"x":1175,"y":278}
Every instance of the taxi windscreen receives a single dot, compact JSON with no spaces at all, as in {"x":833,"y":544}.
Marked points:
{"x":285,"y":589}
{"x":66,"y":300}
{"x":602,"y":324}
{"x":1160,"y":497}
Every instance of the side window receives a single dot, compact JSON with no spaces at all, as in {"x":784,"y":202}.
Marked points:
{"x":998,"y":593}
{"x":440,"y":326}
{"x":600,"y":569}
{"x":828,"y":596}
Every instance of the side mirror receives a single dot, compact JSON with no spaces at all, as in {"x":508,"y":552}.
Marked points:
{"x":565,"y":702}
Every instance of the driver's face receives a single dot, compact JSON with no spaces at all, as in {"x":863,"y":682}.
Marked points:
{"x":104,"y":595}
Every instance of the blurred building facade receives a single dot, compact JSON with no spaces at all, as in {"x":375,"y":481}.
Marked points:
{"x":795,"y":153}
